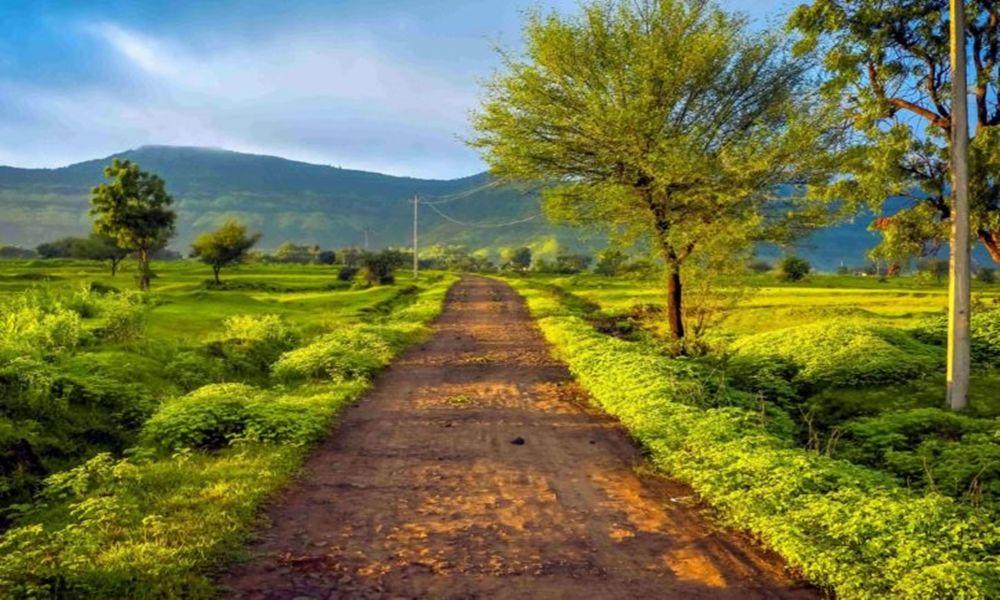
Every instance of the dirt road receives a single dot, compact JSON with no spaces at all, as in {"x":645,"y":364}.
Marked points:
{"x":474,"y":469}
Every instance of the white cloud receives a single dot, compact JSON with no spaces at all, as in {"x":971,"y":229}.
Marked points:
{"x":302,"y":95}
{"x":144,"y":52}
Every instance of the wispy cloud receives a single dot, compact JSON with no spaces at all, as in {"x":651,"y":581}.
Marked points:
{"x":301,"y":94}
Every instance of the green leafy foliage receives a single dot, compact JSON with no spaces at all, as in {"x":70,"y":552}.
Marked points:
{"x":156,"y":524}
{"x":793,"y":268}
{"x":929,"y":447}
{"x":249,"y":344}
{"x":352,"y":352}
{"x":597,"y":108}
{"x":218,"y":415}
{"x":838,"y":353}
{"x":850,"y":528}
{"x":985,"y":328}
{"x":227,"y":245}
{"x":133,"y":209}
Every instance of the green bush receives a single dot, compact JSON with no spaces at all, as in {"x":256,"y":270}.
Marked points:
{"x":249,"y":344}
{"x":846,"y":527}
{"x":55,"y":416}
{"x":929,"y":447}
{"x":191,"y":370}
{"x":31,"y":327}
{"x":770,"y":377}
{"x":985,"y":327}
{"x":124,"y":317}
{"x":158,"y":524}
{"x":351,"y":352}
{"x":217,"y":415}
{"x":347,"y":273}
{"x":208,"y":418}
{"x":793,"y":268}
{"x":839,"y":353}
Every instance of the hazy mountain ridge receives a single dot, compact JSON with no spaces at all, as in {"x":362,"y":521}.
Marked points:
{"x":310,"y":203}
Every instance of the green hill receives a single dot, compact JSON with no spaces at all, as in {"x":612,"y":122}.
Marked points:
{"x":286,"y":200}
{"x":329,"y":206}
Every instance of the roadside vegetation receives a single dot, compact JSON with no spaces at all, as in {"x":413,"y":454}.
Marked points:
{"x":141,"y":430}
{"x":827,"y":440}
{"x":141,"y":433}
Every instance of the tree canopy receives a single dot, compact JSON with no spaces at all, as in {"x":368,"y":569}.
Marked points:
{"x":666,"y":120}
{"x":133,"y":209}
{"x":888,"y":68}
{"x":227,"y":245}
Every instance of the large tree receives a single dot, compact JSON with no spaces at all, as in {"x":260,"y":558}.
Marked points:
{"x":133,"y":209}
{"x":665,"y":119}
{"x":888,"y":66}
{"x":227,"y":245}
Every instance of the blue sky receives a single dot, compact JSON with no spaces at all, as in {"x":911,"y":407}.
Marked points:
{"x":382,"y":85}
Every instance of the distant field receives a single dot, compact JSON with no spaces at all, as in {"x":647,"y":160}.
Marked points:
{"x":772,"y":304}
{"x":187,"y":309}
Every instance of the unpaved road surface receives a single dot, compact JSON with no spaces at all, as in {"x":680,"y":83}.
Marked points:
{"x":420,"y":491}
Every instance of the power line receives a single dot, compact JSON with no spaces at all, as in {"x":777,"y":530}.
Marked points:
{"x":479,"y":225}
{"x":463,"y":194}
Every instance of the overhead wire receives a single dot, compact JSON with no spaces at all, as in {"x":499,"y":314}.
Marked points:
{"x":480,"y":225}
{"x":469,"y":193}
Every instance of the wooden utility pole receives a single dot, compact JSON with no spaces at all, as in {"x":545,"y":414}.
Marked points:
{"x":416,"y":262}
{"x":959,"y":292}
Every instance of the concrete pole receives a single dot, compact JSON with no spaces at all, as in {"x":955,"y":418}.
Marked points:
{"x":416,"y":261}
{"x":959,"y":287}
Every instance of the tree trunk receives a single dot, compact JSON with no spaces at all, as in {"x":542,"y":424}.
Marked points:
{"x":991,"y":240}
{"x":114,"y":267}
{"x":675,"y":315}
{"x":215,"y":270}
{"x":144,"y":270}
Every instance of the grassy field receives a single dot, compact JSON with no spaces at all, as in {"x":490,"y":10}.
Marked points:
{"x":771,"y":304}
{"x":816,"y":421}
{"x":141,"y":433}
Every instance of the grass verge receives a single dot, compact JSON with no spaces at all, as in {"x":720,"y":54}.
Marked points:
{"x":847,"y":528}
{"x":162,"y":522}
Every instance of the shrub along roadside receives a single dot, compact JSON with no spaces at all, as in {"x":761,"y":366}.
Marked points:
{"x":157,"y":524}
{"x":845,"y":527}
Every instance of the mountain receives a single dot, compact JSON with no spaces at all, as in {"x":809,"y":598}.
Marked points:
{"x":286,"y":200}
{"x":329,"y":206}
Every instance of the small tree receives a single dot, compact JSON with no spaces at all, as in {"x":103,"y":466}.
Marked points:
{"x":610,"y":261}
{"x":793,"y":268}
{"x":517,"y":259}
{"x":134,"y":211}
{"x":326,"y":257}
{"x":227,"y":245}
{"x":572,"y":263}
{"x":102,"y":247}
{"x":378,"y":267}
{"x":935,"y":268}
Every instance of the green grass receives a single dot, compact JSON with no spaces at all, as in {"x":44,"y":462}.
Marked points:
{"x":774,"y":304}
{"x":161,"y":435}
{"x":859,"y":529}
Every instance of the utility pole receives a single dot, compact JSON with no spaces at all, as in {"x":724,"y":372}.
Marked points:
{"x":365,"y":231}
{"x":416,"y":263}
{"x":959,"y":292}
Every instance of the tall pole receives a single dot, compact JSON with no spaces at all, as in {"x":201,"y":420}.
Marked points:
{"x":959,"y":292}
{"x":416,"y":263}
{"x":365,"y":230}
